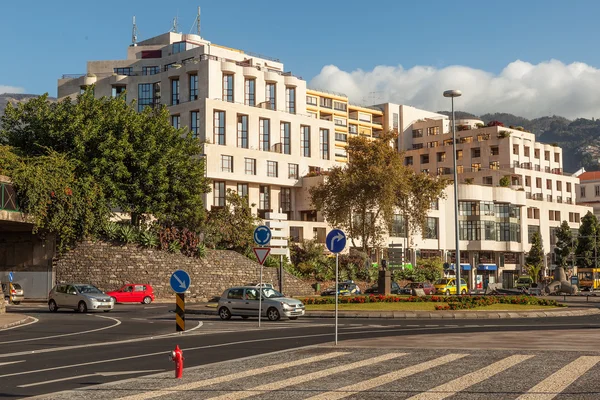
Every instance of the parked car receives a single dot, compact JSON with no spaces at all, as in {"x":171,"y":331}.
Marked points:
{"x":13,"y":292}
{"x":447,"y":286}
{"x":427,"y":287}
{"x":265,"y":285}
{"x":133,"y":293}
{"x":524,"y":282}
{"x":375,"y":289}
{"x":243,"y":301}
{"x":79,"y":297}
{"x":346,"y":288}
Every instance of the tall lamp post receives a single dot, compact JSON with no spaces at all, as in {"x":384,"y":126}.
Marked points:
{"x":452,"y":94}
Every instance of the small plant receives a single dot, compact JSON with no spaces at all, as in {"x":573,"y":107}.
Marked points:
{"x":200,"y":250}
{"x":469,"y":181}
{"x":111,"y":230}
{"x":127,"y":234}
{"x":174,"y":247}
{"x":148,"y":239}
{"x":505,"y":181}
{"x":503,"y":134}
{"x":479,"y":125}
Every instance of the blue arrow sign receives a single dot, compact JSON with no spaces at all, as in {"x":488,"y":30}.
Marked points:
{"x":10,"y":276}
{"x":335,"y":241}
{"x":180,"y":281}
{"x":262,"y":235}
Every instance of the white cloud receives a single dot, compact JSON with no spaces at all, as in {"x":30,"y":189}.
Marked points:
{"x":521,"y":88}
{"x":11,"y":89}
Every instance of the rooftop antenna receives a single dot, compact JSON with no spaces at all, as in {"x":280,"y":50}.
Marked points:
{"x":134,"y":33}
{"x":196,"y":24}
{"x":175,"y":27}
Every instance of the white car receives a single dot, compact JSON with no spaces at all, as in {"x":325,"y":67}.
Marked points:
{"x":79,"y":297}
{"x":243,"y":301}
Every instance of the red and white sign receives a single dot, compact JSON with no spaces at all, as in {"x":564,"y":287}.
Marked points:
{"x":262,"y":253}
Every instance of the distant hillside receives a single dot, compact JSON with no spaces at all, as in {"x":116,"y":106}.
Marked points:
{"x":13,"y":98}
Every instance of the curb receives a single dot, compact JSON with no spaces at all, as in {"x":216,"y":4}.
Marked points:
{"x":15,"y":323}
{"x":437,"y":314}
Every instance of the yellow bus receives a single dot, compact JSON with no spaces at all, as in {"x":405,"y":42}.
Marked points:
{"x":589,"y":278}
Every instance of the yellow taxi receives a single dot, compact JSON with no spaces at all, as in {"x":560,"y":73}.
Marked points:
{"x":447,"y":286}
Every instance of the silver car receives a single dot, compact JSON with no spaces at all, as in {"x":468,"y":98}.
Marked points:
{"x":243,"y":301}
{"x":79,"y":297}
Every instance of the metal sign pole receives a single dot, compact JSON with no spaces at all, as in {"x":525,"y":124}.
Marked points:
{"x":336,"y":298}
{"x":260,"y":295}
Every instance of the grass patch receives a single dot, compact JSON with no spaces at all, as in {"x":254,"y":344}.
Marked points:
{"x":417,"y":307}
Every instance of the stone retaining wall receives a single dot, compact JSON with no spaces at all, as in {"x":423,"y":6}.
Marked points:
{"x":109,"y":266}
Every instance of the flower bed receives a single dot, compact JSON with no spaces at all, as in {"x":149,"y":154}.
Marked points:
{"x":452,"y":302}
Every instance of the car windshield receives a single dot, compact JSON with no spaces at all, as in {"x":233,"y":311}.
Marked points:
{"x":88,"y":289}
{"x":16,"y":286}
{"x":271,"y":293}
{"x":524,"y":280}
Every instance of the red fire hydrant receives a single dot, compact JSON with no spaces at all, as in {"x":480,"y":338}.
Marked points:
{"x":177,"y":358}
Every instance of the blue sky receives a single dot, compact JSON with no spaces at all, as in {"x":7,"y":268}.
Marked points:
{"x":45,"y":39}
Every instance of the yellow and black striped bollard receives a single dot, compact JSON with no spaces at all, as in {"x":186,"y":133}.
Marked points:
{"x":180,"y":312}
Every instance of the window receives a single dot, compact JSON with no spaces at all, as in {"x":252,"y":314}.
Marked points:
{"x":219,"y":128}
{"x":242,"y":189}
{"x":285,"y":138}
{"x":352,"y":128}
{"x":219,"y":194}
{"x":417,"y":133}
{"x":476,"y":167}
{"x":460,"y":169}
{"x":582,"y":191}
{"x":495,"y":165}
{"x":547,"y":155}
{"x":250,"y":166}
{"x":502,"y":210}
{"x":395,"y":121}
{"x":341,"y":137}
{"x":270,"y":96}
{"x":433,"y":130}
{"x":145,"y":95}
{"x":432,"y":144}
{"x":417,"y":146}
{"x":548,"y":184}
{"x":305,"y":140}
{"x":408,"y":160}
{"x":286,"y":199}
{"x":494,"y":150}
{"x":536,"y":153}
{"x":153,"y":70}
{"x":528,"y":181}
{"x":193,"y":87}
{"x":175,"y":121}
{"x":538,"y":183}
{"x":324,"y":143}
{"x":398,"y":228}
{"x":250,"y":92}
{"x":468,"y":208}
{"x":469,"y":230}
{"x":311,"y":100}
{"x":441,"y":157}
{"x":272,"y":170}
{"x":569,"y":187}
{"x":290,"y":99}
{"x":489,"y":229}
{"x":424,"y":158}
{"x":226,"y":163}
{"x":293,"y":171}
{"x":516,"y":149}
{"x":431,"y":228}
{"x":434,"y":205}
{"x":339,"y":121}
{"x":228,"y":87}
{"x":194,"y":123}
{"x":168,"y":66}
{"x":264,"y":198}
{"x":597,"y":190}
{"x":325,"y":102}
{"x":425,"y":171}
{"x":559,"y":185}
{"x":557,"y":157}
{"x":459,"y":154}
{"x":487,"y":208}
{"x":174,"y":91}
{"x":476,"y":152}
{"x":531,"y":229}
{"x":468,"y":139}
{"x":123,"y":71}
{"x":118,"y":90}
{"x":488,"y":180}
{"x":264,"y":132}
{"x":242,"y":131}
{"x":338,"y":105}
{"x":526,"y":151}
{"x":236,"y":294}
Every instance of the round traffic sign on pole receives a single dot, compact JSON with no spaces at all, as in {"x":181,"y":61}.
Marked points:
{"x":180,"y":281}
{"x":336,"y":241}
{"x":262,"y":235}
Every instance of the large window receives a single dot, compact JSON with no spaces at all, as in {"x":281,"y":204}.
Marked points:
{"x":264,"y":132}
{"x":431,"y":228}
{"x":285,"y":138}
{"x":118,"y":90}
{"x":195,"y":123}
{"x":228,"y":87}
{"x":219,"y":132}
{"x":305,"y":140}
{"x":242,"y":131}
{"x":434,"y":130}
{"x":193,"y":87}
{"x":290,"y":100}
{"x":250,"y":92}
{"x":272,"y":169}
{"x":174,"y":91}
{"x":286,"y":199}
{"x":531,"y":229}
{"x":145,"y":95}
{"x":398,"y":228}
{"x":469,"y":230}
{"x":250,"y":166}
{"x":264,"y":198}
{"x":502,"y":210}
{"x":489,"y":228}
{"x":417,"y":133}
{"x":175,"y":121}
{"x":226,"y":163}
{"x":324,"y":143}
{"x":468,"y":208}
{"x":270,"y":96}
{"x":293,"y":171}
{"x":242,"y":189}
{"x":123,"y":71}
{"x":153,"y":70}
{"x":219,"y":194}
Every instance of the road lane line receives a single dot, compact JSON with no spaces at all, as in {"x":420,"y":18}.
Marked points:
{"x":70,"y":378}
{"x":11,"y":362}
{"x":360,"y":387}
{"x":21,"y":325}
{"x":553,"y":385}
{"x":456,"y":385}
{"x":230,"y":377}
{"x":296,"y":380}
{"x":66,"y":334}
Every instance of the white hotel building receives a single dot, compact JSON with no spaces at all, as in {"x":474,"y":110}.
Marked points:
{"x":269,"y":137}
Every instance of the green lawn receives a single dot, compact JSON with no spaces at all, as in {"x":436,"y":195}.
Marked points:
{"x":417,"y":307}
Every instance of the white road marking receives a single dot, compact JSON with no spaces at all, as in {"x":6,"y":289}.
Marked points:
{"x":21,"y":325}
{"x":11,"y":362}
{"x":230,"y":377}
{"x":386,"y":378}
{"x":456,"y":385}
{"x":154,"y":307}
{"x":70,"y":378}
{"x":66,"y":334}
{"x":551,"y":387}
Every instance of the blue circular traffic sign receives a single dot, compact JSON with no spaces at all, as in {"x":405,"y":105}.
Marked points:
{"x":336,"y":241}
{"x":180,"y":281}
{"x":262,"y":235}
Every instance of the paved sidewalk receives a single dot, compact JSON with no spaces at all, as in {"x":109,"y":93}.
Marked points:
{"x":9,"y":320}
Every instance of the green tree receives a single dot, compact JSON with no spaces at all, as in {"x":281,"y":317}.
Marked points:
{"x":565,"y":245}
{"x":308,"y":259}
{"x":587,"y":242}
{"x":428,"y":269}
{"x":535,"y":258}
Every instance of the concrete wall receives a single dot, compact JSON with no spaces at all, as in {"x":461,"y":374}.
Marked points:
{"x":109,"y":266}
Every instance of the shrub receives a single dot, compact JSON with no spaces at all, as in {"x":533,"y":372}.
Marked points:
{"x":148,"y":239}
{"x":505,"y":181}
{"x":127,"y":234}
{"x":111,"y":230}
{"x":174,"y":247}
{"x":200,"y":250}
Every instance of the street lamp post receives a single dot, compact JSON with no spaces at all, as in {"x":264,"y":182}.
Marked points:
{"x":452,"y":94}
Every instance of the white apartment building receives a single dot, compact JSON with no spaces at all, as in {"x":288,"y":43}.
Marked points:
{"x":589,"y":190}
{"x":269,"y":137}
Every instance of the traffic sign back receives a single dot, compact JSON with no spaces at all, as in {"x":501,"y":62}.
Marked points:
{"x":262,"y":235}
{"x":336,"y":241}
{"x":180,"y":281}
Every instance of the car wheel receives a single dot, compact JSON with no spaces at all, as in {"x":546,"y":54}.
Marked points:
{"x":82,"y":307}
{"x":245,"y":317}
{"x":463,"y":292}
{"x":224,"y":313}
{"x":293,"y":318}
{"x":52,"y":306}
{"x":106,"y":310}
{"x":16,"y":302}
{"x":447,"y":292}
{"x":273,"y":314}
{"x":147,"y":300}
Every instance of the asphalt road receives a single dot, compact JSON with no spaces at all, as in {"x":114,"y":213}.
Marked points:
{"x":68,"y":350}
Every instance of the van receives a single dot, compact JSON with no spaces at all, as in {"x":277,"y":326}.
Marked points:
{"x":524,"y":282}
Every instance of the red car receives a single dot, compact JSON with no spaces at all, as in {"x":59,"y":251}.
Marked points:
{"x":133,"y":293}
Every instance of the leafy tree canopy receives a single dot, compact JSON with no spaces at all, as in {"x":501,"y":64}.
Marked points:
{"x":587,"y":243}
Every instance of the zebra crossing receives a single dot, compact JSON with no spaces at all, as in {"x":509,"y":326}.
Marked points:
{"x":332,"y":373}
